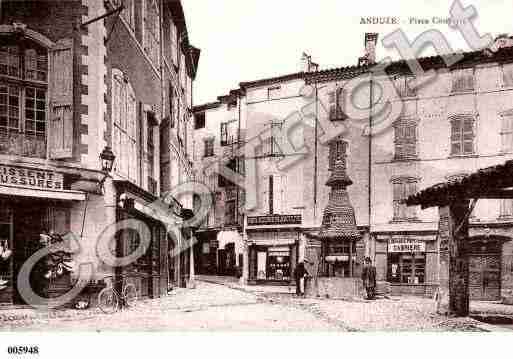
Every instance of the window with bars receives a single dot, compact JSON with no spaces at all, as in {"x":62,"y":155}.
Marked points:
{"x":209,"y":147}
{"x":405,"y":139}
{"x":336,"y":105}
{"x":338,"y":152}
{"x":152,"y":31}
{"x":462,"y":135}
{"x":402,"y":189}
{"x":462,"y":80}
{"x":23,"y":99}
{"x":507,"y":132}
{"x":124,"y":119}
{"x":403,"y":87}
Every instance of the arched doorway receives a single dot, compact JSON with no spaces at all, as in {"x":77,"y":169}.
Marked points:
{"x":485,"y":264}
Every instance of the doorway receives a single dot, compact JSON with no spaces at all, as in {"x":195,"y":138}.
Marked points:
{"x":485,"y":276}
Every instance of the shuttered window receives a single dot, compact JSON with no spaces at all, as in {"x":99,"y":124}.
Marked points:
{"x":506,"y":208}
{"x":463,"y":80}
{"x":209,"y":147}
{"x":152,"y":31}
{"x":405,"y":139}
{"x":124,"y":119}
{"x":402,"y":189}
{"x":128,"y":13}
{"x":336,"y":105}
{"x":507,"y":132}
{"x":462,"y":135}
{"x":403,"y":87}
{"x":507,"y":75}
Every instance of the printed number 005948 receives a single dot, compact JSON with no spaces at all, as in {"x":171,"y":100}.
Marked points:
{"x":20,"y":350}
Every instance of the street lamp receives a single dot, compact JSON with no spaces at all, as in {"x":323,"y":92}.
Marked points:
{"x":107,"y":159}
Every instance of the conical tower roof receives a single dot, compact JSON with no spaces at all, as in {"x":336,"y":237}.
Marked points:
{"x":338,"y":221}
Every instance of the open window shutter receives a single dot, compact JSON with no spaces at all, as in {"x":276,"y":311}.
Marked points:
{"x":61,"y":104}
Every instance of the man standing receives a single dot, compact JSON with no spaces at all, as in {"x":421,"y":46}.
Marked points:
{"x":369,"y":278}
{"x":299,"y":274}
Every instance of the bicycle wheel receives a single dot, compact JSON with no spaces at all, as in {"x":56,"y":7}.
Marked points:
{"x":108,"y":301}
{"x":130,"y":295}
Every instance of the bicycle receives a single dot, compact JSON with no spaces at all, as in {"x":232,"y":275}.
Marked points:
{"x":109,"y":298}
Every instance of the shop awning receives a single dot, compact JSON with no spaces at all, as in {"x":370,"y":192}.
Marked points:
{"x":11,"y":190}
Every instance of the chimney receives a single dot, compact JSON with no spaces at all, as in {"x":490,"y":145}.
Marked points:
{"x":307,"y":65}
{"x":371,"y":39}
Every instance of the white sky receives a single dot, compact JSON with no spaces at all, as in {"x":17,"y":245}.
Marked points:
{"x":245,"y":40}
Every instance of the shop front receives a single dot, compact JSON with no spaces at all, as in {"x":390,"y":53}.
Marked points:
{"x":273,"y":256}
{"x":409,"y":263}
{"x":34,"y":203}
{"x":149,"y":273}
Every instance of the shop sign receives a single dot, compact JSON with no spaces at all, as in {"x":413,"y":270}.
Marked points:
{"x":274,"y":220}
{"x":30,"y":178}
{"x":399,"y":245}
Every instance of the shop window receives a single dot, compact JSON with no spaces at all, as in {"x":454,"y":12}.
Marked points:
{"x":462,"y":80}
{"x":23,"y":99}
{"x":336,"y":105}
{"x":338,"y":152}
{"x":406,"y":268}
{"x":152,"y":31}
{"x":403,"y":187}
{"x":209,"y":147}
{"x":405,"y":139}
{"x":124,"y":119}
{"x":462,"y":135}
{"x":507,"y":132}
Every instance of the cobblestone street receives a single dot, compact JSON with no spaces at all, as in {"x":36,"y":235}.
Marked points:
{"x":218,"y":307}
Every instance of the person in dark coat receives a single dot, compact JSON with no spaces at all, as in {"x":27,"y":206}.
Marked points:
{"x":369,"y":278}
{"x":299,"y":274}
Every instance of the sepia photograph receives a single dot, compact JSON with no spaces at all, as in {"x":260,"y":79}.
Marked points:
{"x":323,"y":169}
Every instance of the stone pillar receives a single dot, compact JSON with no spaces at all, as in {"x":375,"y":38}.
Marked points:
{"x":245,"y":263}
{"x":192,"y":240}
{"x":454,"y":265}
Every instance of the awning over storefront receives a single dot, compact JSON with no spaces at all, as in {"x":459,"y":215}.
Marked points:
{"x":12,"y":190}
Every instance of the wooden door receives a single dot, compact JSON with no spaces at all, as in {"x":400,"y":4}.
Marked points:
{"x":484,"y":277}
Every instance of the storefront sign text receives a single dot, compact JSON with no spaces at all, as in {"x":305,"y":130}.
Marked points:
{"x":31,"y":178}
{"x":406,"y":245}
{"x":274,"y":219}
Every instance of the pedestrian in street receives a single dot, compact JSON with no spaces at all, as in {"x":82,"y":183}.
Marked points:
{"x":300,"y":273}
{"x":369,"y":278}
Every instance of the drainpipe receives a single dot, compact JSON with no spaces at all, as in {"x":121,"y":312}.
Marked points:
{"x":371,"y":98}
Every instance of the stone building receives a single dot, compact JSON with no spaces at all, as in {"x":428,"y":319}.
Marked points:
{"x":456,"y":124}
{"x":78,"y":77}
